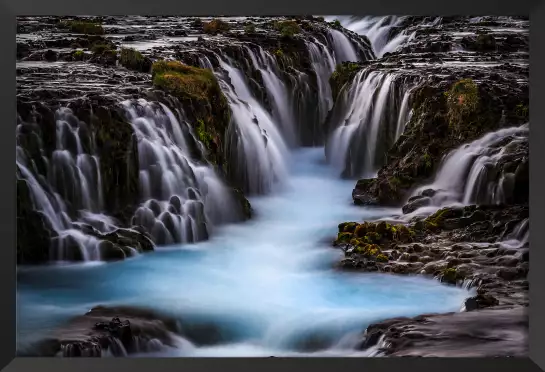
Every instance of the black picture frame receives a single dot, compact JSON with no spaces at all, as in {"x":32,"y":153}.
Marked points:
{"x":9,"y":9}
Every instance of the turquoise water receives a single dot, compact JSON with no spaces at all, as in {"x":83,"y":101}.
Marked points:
{"x":268,"y":284}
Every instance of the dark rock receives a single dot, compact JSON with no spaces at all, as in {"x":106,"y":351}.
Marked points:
{"x":416,"y":204}
{"x":479,"y":333}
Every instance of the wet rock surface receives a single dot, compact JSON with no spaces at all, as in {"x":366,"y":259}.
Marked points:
{"x":108,"y":331}
{"x":478,"y":247}
{"x":499,"y":70}
{"x":91,"y":64}
{"x":481,"y":247}
{"x":488,"y":333}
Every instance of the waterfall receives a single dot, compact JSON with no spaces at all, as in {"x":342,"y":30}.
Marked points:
{"x":344,"y":50}
{"x":369,"y":116}
{"x":182,"y":200}
{"x":386,"y":33}
{"x":256,"y":142}
{"x":277,"y":91}
{"x":519,"y":236}
{"x":67,"y":191}
{"x":474,"y":173}
{"x":324,"y":65}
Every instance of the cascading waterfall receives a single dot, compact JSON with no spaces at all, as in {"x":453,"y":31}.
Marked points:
{"x":520,"y":235}
{"x":324,"y":65}
{"x":69,"y":194}
{"x":344,"y":50}
{"x":386,"y":33}
{"x":368,"y":118}
{"x":283,"y":112}
{"x":471,"y":174}
{"x":255,"y":142}
{"x":182,"y":200}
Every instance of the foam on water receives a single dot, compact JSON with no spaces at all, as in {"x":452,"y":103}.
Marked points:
{"x":267,"y":285}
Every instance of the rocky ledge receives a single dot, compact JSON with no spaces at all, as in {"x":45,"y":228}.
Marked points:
{"x":89,"y":65}
{"x":465,"y":77}
{"x":502,"y":332}
{"x":113,"y":331}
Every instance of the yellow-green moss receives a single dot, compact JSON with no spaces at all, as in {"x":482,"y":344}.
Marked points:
{"x":100,"y":49}
{"x":83,"y":27}
{"x":186,"y":82}
{"x":342,"y":74}
{"x":450,"y":275}
{"x":249,"y":28}
{"x":131,"y":58}
{"x":522,"y":111}
{"x":462,"y":102}
{"x":204,"y":136}
{"x":288,"y":28}
{"x":343,"y":237}
{"x":78,"y":55}
{"x":347,"y":226}
{"x":382,"y":258}
{"x":427,"y":160}
{"x":216,"y":26}
{"x":368,"y":250}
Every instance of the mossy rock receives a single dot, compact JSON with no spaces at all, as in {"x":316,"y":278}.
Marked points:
{"x":83,"y":27}
{"x":371,"y":251}
{"x":450,"y":275}
{"x":134,"y":60}
{"x":382,"y":258}
{"x":373,"y":233}
{"x":288,"y":28}
{"x":437,"y":220}
{"x":344,"y":73}
{"x":343,"y":237}
{"x":347,"y":226}
{"x":199,"y":92}
{"x":336,"y":23}
{"x":462,"y":103}
{"x":101,"y":49}
{"x":78,"y":55}
{"x":249,"y":29}
{"x":183,"y":81}
{"x":216,"y":26}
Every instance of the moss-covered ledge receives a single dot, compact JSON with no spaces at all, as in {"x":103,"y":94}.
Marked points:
{"x":446,"y":114}
{"x":199,"y":93}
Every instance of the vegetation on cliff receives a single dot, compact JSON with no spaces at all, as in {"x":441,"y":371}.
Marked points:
{"x":445,"y":115}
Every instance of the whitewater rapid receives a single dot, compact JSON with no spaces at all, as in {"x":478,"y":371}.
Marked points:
{"x":268,"y":285}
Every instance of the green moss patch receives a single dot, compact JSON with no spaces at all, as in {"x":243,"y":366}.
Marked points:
{"x":134,"y":60}
{"x":288,"y":28}
{"x":344,"y":72}
{"x":78,"y":55}
{"x":462,"y":102}
{"x":184,"y":81}
{"x":83,"y":27}
{"x":249,"y":29}
{"x":381,"y":233}
{"x":199,"y":92}
{"x":216,"y":26}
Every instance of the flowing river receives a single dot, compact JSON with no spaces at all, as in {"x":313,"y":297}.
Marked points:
{"x":269,"y":285}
